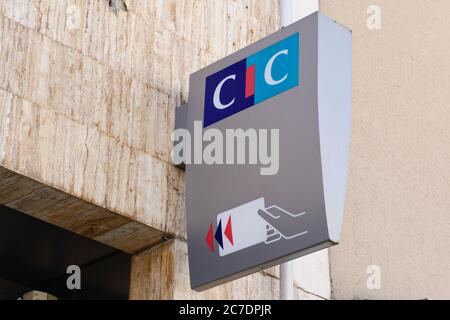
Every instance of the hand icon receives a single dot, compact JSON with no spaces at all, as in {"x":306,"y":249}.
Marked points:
{"x":285,"y":223}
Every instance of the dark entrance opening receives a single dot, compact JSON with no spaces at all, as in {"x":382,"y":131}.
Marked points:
{"x":35,"y":255}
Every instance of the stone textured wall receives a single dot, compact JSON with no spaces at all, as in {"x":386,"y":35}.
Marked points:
{"x":88,"y":95}
{"x":162,"y":273}
{"x":398,"y":202}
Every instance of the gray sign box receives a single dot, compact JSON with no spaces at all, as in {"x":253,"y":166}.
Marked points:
{"x":303,"y":204}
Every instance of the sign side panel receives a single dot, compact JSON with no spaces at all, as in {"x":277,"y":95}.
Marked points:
{"x":335,"y":103}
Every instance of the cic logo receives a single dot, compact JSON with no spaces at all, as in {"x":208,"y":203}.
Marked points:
{"x":253,"y":80}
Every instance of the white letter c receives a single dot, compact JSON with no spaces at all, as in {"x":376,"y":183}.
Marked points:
{"x":268,"y":71}
{"x":217,"y":103}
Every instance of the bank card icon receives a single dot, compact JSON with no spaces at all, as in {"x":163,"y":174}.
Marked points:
{"x":253,"y":223}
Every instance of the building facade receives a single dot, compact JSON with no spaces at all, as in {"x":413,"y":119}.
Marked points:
{"x":88,"y":94}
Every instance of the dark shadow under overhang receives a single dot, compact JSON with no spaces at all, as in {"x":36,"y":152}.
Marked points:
{"x":34,"y":255}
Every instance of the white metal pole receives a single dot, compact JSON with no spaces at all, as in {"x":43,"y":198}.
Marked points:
{"x":287,"y":281}
{"x":286,"y":269}
{"x":286,"y":12}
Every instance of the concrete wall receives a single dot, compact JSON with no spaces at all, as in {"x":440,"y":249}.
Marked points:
{"x":398,"y":202}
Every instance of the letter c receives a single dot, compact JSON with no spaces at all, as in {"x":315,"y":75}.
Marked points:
{"x":217,"y":103}
{"x":268,"y":72}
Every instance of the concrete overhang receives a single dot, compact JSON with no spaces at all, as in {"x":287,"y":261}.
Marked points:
{"x":76,"y":215}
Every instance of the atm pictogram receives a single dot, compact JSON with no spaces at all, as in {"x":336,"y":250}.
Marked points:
{"x":251,"y":224}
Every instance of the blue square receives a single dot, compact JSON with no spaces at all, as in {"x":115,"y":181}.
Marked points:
{"x":277,"y":68}
{"x":225,"y":93}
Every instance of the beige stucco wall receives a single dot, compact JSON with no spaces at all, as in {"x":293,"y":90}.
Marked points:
{"x":397,"y":212}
